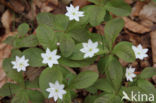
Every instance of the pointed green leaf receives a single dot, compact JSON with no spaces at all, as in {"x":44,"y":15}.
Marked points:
{"x":23,"y":29}
{"x":9,"y":89}
{"x":21,"y":97}
{"x":112,"y":30}
{"x":124,"y":51}
{"x":95,"y":14}
{"x":34,"y":56}
{"x":83,"y":80}
{"x":67,"y":45}
{"x":46,"y":37}
{"x":114,"y":72}
{"x":118,"y":7}
{"x":29,"y":41}
{"x":35,"y":96}
{"x":147,"y":73}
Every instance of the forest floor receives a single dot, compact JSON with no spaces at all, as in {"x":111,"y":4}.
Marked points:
{"x":140,"y":28}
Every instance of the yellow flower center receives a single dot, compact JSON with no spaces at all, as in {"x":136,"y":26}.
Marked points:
{"x":21,"y":64}
{"x":90,"y":49}
{"x":138,"y":53}
{"x":74,"y":13}
{"x":50,"y":58}
{"x":56,"y":90}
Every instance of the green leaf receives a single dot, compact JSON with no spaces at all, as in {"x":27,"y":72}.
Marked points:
{"x":9,"y":89}
{"x":23,"y":29}
{"x":124,"y":51}
{"x":49,"y":75}
{"x":35,"y":96}
{"x":16,"y":52}
{"x":76,"y":63}
{"x":57,"y":22}
{"x":129,"y":90}
{"x":77,"y":54}
{"x":98,"y":2}
{"x":77,"y":31}
{"x":45,"y":18}
{"x":9,"y":40}
{"x":29,"y":41}
{"x":114,"y":72}
{"x":95,"y":14}
{"x":67,"y":45}
{"x":84,"y":80}
{"x":147,"y":87}
{"x":118,"y":7}
{"x":60,"y":22}
{"x":12,"y":73}
{"x":90,"y":99}
{"x":33,"y":83}
{"x":112,"y":30}
{"x":104,"y":85}
{"x":46,"y":37}
{"x":147,"y":73}
{"x":34,"y":56}
{"x":108,"y":98}
{"x":21,"y":97}
{"x":67,"y":98}
{"x":102,"y":64}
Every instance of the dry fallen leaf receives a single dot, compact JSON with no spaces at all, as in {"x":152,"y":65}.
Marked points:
{"x":137,"y":8}
{"x":32,"y":73}
{"x":80,"y":3}
{"x":149,"y":11}
{"x":134,"y":26}
{"x":147,"y":23}
{"x":100,"y":29}
{"x":6,"y":20}
{"x":90,"y":67}
{"x":15,"y":5}
{"x":153,"y":45}
{"x":129,"y":1}
{"x":154,"y":79}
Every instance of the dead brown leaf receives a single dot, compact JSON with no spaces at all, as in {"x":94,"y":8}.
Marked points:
{"x":149,"y":12}
{"x":15,"y":5}
{"x":153,"y":45}
{"x":129,"y":1}
{"x":32,"y":73}
{"x":90,"y":67}
{"x":80,"y":3}
{"x":6,"y":20}
{"x":134,"y":26}
{"x":137,"y":8}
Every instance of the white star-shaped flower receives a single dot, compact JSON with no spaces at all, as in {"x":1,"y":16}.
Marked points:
{"x":130,"y":73}
{"x":50,"y":57}
{"x":56,"y":91}
{"x":20,"y":63}
{"x":74,"y":13}
{"x":89,"y":49}
{"x":140,"y":53}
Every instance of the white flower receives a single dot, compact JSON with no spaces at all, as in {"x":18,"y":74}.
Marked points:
{"x":56,"y":91}
{"x":74,"y":13}
{"x":130,"y":73}
{"x":89,"y":49}
{"x":140,"y":53}
{"x":20,"y":63}
{"x":50,"y":58}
